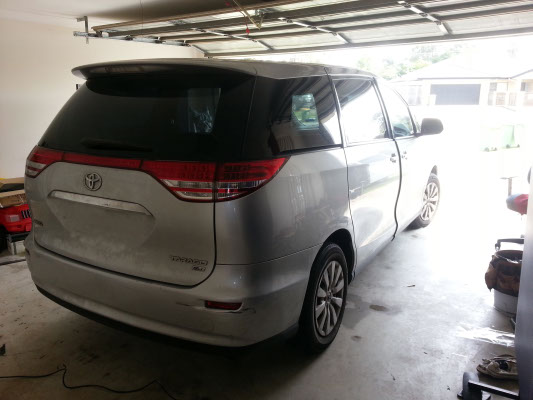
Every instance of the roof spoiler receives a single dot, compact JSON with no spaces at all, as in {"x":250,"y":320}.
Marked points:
{"x":148,"y":67}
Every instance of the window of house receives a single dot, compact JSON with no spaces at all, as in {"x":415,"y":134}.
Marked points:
{"x":491,"y":98}
{"x":512,"y":99}
{"x":502,"y":86}
{"x":500,"y":99}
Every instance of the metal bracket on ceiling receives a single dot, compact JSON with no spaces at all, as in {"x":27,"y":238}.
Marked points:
{"x":257,"y":24}
{"x":243,"y":37}
{"x":417,"y":10}
{"x":338,"y":35}
{"x":266,"y":46}
{"x":86,"y":20}
{"x":129,"y":38}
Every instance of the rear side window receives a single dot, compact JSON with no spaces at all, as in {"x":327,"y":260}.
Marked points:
{"x":190,"y":117}
{"x":291,"y":115}
{"x":362,"y":115}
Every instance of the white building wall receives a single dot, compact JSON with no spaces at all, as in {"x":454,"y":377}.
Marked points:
{"x":35,"y":79}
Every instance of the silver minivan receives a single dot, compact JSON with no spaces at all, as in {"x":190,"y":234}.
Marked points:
{"x":223,"y":202}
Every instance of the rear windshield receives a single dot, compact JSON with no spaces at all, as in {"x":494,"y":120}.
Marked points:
{"x":190,"y":117}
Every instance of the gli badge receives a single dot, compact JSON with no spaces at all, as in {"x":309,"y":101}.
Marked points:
{"x":93,"y":181}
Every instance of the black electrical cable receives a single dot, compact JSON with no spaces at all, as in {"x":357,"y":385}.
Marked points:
{"x":71,"y":387}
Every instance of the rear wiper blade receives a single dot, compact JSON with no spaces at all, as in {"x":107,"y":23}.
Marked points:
{"x":104,"y":144}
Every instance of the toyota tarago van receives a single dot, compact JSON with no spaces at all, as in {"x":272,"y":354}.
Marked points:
{"x":223,"y":202}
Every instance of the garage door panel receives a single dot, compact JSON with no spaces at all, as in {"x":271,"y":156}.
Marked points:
{"x":495,"y":23}
{"x":282,"y":25}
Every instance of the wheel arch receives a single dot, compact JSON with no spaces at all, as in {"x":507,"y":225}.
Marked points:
{"x":434,"y":170}
{"x":343,"y":239}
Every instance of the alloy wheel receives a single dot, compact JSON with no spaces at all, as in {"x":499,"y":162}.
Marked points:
{"x":329,"y":298}
{"x":431,"y":201}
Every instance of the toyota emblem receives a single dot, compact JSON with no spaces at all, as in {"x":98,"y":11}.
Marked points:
{"x":93,"y":181}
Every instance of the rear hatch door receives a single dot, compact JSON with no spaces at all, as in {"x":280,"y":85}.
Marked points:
{"x":126,"y":143}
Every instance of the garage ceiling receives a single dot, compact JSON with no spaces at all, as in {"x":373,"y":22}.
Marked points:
{"x":281,"y":26}
{"x":222,"y":28}
{"x":64,"y":13}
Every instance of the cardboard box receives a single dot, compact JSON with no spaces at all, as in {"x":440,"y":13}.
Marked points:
{"x":12,"y":192}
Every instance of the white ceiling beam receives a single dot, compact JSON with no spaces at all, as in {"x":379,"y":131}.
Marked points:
{"x":339,"y":36}
{"x":424,"y":14}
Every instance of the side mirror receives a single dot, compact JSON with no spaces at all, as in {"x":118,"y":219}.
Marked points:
{"x":430,"y":126}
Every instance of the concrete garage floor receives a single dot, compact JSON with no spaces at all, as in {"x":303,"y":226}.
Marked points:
{"x":402,"y":334}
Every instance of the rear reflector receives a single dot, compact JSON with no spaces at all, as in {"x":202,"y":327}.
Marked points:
{"x":218,"y":305}
{"x":191,"y":181}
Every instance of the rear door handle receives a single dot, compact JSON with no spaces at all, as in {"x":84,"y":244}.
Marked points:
{"x":404,"y":155}
{"x":393,"y":157}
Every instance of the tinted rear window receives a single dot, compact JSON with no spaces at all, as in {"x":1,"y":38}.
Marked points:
{"x":186,"y":117}
{"x":291,"y":115}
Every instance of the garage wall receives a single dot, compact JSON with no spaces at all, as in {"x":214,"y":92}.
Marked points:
{"x":35,"y":79}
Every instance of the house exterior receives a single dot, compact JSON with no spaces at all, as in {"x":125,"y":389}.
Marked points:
{"x":495,"y":80}
{"x":484,"y":100}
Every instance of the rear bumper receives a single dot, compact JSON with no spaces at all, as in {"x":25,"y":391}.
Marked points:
{"x":18,"y":227}
{"x":272,"y":294}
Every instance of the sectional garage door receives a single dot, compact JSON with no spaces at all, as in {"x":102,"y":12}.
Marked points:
{"x":280,"y":26}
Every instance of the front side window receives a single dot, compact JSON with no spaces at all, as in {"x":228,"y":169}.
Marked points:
{"x":398,"y":113}
{"x":361,"y":111}
{"x":291,"y":115}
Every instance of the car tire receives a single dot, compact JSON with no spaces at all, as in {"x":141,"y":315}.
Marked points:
{"x":326,"y":294}
{"x":3,"y":239}
{"x":431,"y":203}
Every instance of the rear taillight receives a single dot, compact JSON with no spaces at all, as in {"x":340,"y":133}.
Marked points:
{"x":192,"y":181}
{"x":240,"y":178}
{"x":196,"y":181}
{"x":187,"y":180}
{"x":39,"y":159}
{"x":12,"y":218}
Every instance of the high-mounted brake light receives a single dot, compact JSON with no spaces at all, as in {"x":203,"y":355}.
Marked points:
{"x":39,"y":159}
{"x":102,"y":161}
{"x":192,"y":181}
